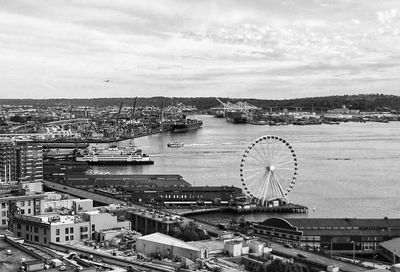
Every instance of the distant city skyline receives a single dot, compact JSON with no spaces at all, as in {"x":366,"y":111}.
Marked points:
{"x":261,"y":49}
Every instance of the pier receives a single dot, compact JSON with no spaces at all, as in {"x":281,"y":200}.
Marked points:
{"x":289,"y":208}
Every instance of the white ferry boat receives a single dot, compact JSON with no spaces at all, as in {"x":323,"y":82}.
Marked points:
{"x":115,"y":155}
{"x":175,"y":144}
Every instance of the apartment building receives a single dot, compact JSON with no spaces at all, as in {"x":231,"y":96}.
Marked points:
{"x":45,"y":229}
{"x":20,"y":160}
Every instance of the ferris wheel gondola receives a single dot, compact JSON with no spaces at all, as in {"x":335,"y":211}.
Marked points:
{"x":268,"y":169}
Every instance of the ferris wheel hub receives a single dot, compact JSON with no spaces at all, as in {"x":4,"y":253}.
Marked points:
{"x":271,"y":168}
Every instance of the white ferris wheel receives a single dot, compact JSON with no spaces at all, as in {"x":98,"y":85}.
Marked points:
{"x":268,"y":169}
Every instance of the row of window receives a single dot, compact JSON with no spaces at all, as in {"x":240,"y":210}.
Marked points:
{"x":29,"y":228}
{"x":276,"y":234}
{"x":66,"y":238}
{"x":350,"y":228}
{"x":33,"y":238}
{"x":21,"y":204}
{"x":66,"y":231}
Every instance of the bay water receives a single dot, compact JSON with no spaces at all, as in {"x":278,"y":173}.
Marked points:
{"x":346,"y":170}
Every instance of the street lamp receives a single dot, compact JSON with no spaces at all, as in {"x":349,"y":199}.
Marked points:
{"x":394,"y":256}
{"x":354,"y":251}
{"x":373,"y":264}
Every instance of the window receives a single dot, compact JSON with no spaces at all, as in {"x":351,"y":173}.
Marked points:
{"x":3,"y":205}
{"x":84,"y":229}
{"x":57,"y":231}
{"x":58,"y":239}
{"x":27,"y":236}
{"x":18,"y":226}
{"x":22,"y":204}
{"x":71,"y":230}
{"x":3,"y":213}
{"x":27,"y":228}
{"x":84,"y":236}
{"x":93,"y":227}
{"x":29,"y":203}
{"x":45,"y":240}
{"x":29,"y":211}
{"x":66,"y":230}
{"x":36,"y":230}
{"x":44,"y":231}
{"x":4,"y":222}
{"x":66,"y":238}
{"x":36,"y":238}
{"x":22,"y":211}
{"x":71,"y":237}
{"x":19,"y":234}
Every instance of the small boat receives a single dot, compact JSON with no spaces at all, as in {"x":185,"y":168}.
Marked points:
{"x":175,"y":144}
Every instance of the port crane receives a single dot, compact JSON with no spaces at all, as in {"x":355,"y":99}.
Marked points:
{"x":117,"y":118}
{"x":239,"y":106}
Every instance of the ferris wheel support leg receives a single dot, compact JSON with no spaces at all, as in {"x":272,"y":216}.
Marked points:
{"x":265,"y":190}
{"x":281,"y":192}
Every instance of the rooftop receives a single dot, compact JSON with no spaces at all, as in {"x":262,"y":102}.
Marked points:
{"x":53,"y":219}
{"x":334,"y":223}
{"x":160,"y":238}
{"x":159,"y":216}
{"x":392,"y":246}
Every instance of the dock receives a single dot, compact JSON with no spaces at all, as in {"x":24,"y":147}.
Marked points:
{"x":289,"y":208}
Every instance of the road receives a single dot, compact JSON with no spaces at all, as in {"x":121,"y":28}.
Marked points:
{"x":324,"y":261}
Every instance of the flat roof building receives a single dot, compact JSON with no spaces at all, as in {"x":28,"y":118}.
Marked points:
{"x":159,"y":243}
{"x":151,"y":221}
{"x":330,"y":234}
{"x":55,"y":228}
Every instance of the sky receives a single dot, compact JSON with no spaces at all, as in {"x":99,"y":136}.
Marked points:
{"x":265,"y":49}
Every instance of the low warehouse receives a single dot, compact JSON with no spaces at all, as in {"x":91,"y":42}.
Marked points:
{"x":167,"y":246}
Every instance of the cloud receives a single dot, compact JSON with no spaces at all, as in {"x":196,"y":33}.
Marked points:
{"x":387,"y":16}
{"x":178,"y":47}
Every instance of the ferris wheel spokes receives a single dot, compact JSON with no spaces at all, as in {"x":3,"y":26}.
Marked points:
{"x":264,"y":158}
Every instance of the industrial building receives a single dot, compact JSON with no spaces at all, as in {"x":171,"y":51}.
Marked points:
{"x":345,"y":235}
{"x":151,"y":221}
{"x":158,"y":243}
{"x":73,"y":174}
{"x":176,"y":196}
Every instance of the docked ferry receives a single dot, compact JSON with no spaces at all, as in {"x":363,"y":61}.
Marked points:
{"x":115,"y":155}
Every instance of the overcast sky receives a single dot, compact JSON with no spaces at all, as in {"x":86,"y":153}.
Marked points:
{"x":269,"y":49}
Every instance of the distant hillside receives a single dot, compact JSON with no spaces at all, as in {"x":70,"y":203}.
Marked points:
{"x":363,"y":102}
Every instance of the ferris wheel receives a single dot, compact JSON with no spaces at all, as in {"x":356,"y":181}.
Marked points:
{"x":268,"y":169}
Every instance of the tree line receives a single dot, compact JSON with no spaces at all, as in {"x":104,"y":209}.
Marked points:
{"x":362,"y":102}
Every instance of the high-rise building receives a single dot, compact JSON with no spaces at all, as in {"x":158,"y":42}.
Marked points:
{"x":20,"y":161}
{"x":29,"y":161}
